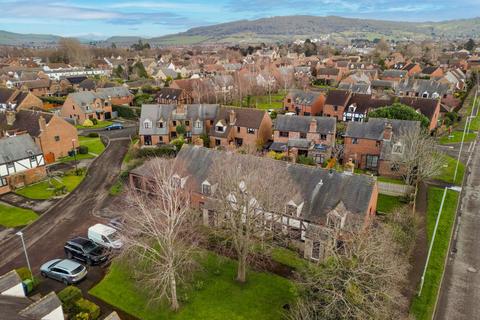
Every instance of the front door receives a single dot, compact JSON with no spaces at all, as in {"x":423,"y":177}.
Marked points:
{"x":147,"y":140}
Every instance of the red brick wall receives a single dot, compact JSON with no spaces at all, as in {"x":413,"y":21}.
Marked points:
{"x":64,"y":130}
{"x":358,"y":151}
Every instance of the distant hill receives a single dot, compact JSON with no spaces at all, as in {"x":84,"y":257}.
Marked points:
{"x":285,"y":29}
{"x":291,"y":27}
{"x":18,"y":39}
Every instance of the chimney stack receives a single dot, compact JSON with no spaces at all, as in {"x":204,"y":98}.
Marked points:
{"x":387,"y":131}
{"x":232,"y":117}
{"x":42,"y":123}
{"x":10,"y":115}
{"x":313,"y":125}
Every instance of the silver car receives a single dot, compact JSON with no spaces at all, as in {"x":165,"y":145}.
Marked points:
{"x":64,"y":270}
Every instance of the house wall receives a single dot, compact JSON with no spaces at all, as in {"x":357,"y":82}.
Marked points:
{"x":56,"y":314}
{"x":358,"y":151}
{"x":15,"y":291}
{"x":329,"y":111}
{"x":127,"y":100}
{"x":27,"y":177}
{"x":66,"y":133}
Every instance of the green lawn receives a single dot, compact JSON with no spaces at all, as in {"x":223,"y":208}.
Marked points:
{"x":263,"y":102}
{"x":99,"y":125}
{"x":95,"y":146}
{"x":288,"y":257}
{"x":449,"y":170}
{"x":46,"y":190}
{"x":391,"y":180}
{"x":262,"y":297}
{"x":456,"y":137}
{"x":422,"y":307}
{"x":11,"y":217}
{"x":387,"y":204}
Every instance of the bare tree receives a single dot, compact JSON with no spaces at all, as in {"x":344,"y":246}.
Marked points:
{"x":159,"y":236}
{"x":362,"y":279}
{"x":75,"y":51}
{"x":417,"y":159}
{"x":249,"y":195}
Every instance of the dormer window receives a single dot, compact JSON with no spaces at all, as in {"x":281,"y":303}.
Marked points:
{"x":397,"y":148}
{"x":159,"y":124}
{"x":335,"y":220}
{"x":250,"y":131}
{"x":198,"y":124}
{"x":425,"y":95}
{"x":206,"y":188}
{"x":147,"y":124}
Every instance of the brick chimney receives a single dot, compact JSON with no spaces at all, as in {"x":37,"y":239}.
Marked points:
{"x":42,"y":123}
{"x":232,"y":117}
{"x":313,"y":125}
{"x":10,"y":115}
{"x":387,"y":131}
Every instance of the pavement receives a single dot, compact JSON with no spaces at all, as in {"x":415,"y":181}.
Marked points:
{"x":70,"y":216}
{"x":460,"y":292}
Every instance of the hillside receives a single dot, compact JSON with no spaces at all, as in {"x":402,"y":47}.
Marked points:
{"x":18,"y":39}
{"x":290,"y":27}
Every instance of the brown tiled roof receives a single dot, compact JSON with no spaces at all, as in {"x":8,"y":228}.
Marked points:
{"x":37,"y":84}
{"x":244,"y":117}
{"x":426,"y":106}
{"x":409,"y":66}
{"x":429,"y":70}
{"x":26,"y":120}
{"x":6,"y":94}
{"x":338,"y":97}
{"x":328,"y":72}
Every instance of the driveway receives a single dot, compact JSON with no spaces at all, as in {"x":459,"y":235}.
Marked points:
{"x":460,"y":291}
{"x":69,"y":217}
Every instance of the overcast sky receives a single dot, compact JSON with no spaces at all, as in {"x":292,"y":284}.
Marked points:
{"x":153,"y":18}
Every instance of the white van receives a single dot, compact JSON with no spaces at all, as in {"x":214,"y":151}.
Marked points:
{"x":105,"y":236}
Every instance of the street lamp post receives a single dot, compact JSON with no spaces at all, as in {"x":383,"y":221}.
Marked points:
{"x":75,"y":155}
{"x":20,"y":234}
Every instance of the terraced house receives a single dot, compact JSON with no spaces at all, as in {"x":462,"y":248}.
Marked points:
{"x":309,"y":136}
{"x":326,"y":202}
{"x":159,"y":122}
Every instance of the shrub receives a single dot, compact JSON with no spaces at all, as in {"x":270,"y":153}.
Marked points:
{"x":83,"y":149}
{"x":87,"y":123}
{"x":162,"y":151}
{"x":206,"y":140}
{"x":82,"y":316}
{"x":25,"y":274}
{"x":86,"y":306}
{"x":178,"y":143}
{"x":69,"y":296}
{"x":93,"y":135}
{"x":126,"y":112}
{"x":94,"y":121}
{"x":181,"y":129}
{"x":309,"y":161}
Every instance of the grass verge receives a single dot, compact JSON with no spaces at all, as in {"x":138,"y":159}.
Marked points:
{"x":12,"y":217}
{"x":386,"y":204}
{"x":456,"y":137}
{"x":422,"y":307}
{"x":448,"y":171}
{"x":46,"y":189}
{"x":99,"y":125}
{"x":218,"y":297}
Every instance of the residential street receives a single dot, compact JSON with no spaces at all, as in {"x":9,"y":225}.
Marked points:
{"x":70,"y":216}
{"x":460,"y":292}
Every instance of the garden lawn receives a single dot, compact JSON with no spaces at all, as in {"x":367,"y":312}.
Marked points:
{"x":11,"y":217}
{"x":219,"y":296}
{"x":289,"y":258}
{"x":448,"y":171}
{"x":387,"y":204}
{"x":422,"y":307}
{"x":95,"y":147}
{"x":263,"y":102}
{"x":43,"y":190}
{"x":457,"y":137}
{"x":99,"y":125}
{"x":390,"y":180}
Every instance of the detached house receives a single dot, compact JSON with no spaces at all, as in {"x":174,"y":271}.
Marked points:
{"x":86,"y":105}
{"x":158,"y":123}
{"x":309,"y":136}
{"x":365,"y":141}
{"x":323,"y":202}
{"x":329,"y":76}
{"x":412,"y":69}
{"x":305,"y":103}
{"x":240,"y":126}
{"x":21,"y":162}
{"x":116,"y":95}
{"x":52,"y":134}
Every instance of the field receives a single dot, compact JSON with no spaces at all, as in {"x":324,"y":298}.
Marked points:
{"x":218,"y":297}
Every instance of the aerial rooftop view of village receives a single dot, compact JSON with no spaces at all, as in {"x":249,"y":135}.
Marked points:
{"x":239,"y":160}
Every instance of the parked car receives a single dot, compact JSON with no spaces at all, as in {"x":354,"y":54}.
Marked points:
{"x":85,"y":250}
{"x":105,"y":236}
{"x":114,"y":126}
{"x":64,"y":270}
